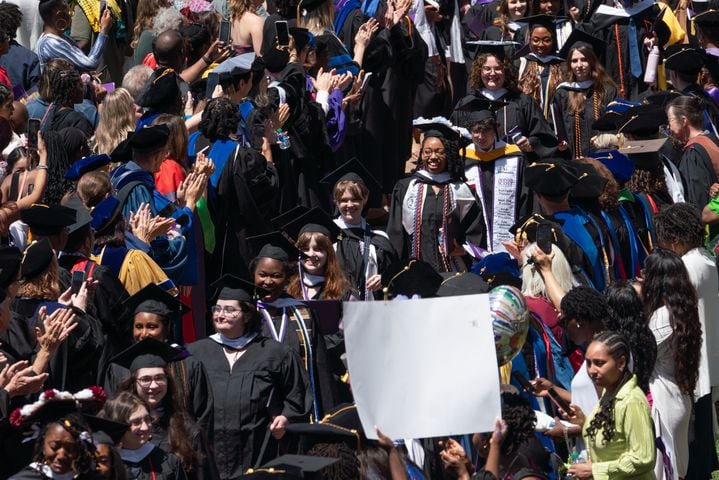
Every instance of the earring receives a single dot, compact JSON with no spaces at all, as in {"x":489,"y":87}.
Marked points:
{"x":61,"y":28}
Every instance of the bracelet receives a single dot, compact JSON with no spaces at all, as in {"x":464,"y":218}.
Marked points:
{"x":204,"y":59}
{"x":41,"y":167}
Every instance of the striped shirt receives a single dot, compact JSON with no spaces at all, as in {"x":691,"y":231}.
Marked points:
{"x":51,"y":46}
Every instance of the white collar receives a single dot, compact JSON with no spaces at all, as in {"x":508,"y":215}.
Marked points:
{"x":47,"y":472}
{"x":342,"y":224}
{"x":493,"y":94}
{"x":312,"y":280}
{"x":576,"y":85}
{"x":234,"y":343}
{"x":543,"y":59}
{"x":443,"y":177}
{"x":137,"y":455}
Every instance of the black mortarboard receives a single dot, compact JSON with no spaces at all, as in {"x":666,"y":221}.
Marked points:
{"x":275,"y":59}
{"x":87,"y":164}
{"x":547,"y":21}
{"x":162,"y":89}
{"x":465,"y":283}
{"x":590,"y":184}
{"x":683,"y":59}
{"x":661,"y":98}
{"x":642,"y":121}
{"x":413,"y":277}
{"x":36,"y":258}
{"x":104,"y":214}
{"x":708,"y":18}
{"x":493,"y":47}
{"x":10,"y":261}
{"x":123,"y":151}
{"x":47,"y":219}
{"x":289,"y":215}
{"x":82,"y":214}
{"x":440,"y":129}
{"x":234,"y":288}
{"x":353,"y":170}
{"x":551,"y":176}
{"x":150,"y":139}
{"x":607,"y":122}
{"x":304,"y":6}
{"x":105,"y":431}
{"x":273,"y":473}
{"x":147,"y":353}
{"x":644,"y":153}
{"x":53,"y":410}
{"x":479,"y":108}
{"x":529,"y":472}
{"x":302,"y":37}
{"x":153,"y":299}
{"x":579,"y":38}
{"x":310,"y":466}
{"x":274,"y":245}
{"x":313,"y":221}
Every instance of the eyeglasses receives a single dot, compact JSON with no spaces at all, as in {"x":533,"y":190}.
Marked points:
{"x":427,"y":152}
{"x":159,"y":379}
{"x":228,"y":310}
{"x":137,"y":422}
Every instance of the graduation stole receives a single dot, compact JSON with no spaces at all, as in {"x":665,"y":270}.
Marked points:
{"x":91,"y":9}
{"x":507,"y":161}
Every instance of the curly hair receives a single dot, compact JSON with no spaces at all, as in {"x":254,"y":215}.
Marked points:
{"x":44,"y":286}
{"x":587,"y":305}
{"x":679,"y":223}
{"x":609,"y":198}
{"x":666,"y":284}
{"x":626,"y":316}
{"x":348,"y":466}
{"x":600,"y":79}
{"x":57,"y":164}
{"x":530,"y":83}
{"x":74,"y":424}
{"x":64,"y":85}
{"x":177,"y":420}
{"x":455,"y":162}
{"x":603,"y":421}
{"x":220,"y":119}
{"x":336,"y":284}
{"x":510,"y":73}
{"x":10,"y":18}
{"x":649,"y":182}
{"x":520,"y":419}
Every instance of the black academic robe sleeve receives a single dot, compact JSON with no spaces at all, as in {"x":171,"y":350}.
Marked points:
{"x":398,"y":237}
{"x":697,"y":175}
{"x":158,"y":465}
{"x":199,"y":393}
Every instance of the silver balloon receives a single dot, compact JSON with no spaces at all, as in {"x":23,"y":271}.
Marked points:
{"x":510,"y":321}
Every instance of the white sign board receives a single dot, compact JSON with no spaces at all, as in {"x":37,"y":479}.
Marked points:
{"x":423,"y":368}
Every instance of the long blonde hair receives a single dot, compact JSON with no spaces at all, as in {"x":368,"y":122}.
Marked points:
{"x":532,"y":283}
{"x":117,"y":117}
{"x":319,"y":19}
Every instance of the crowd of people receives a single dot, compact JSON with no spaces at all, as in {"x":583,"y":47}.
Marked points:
{"x":190,"y":190}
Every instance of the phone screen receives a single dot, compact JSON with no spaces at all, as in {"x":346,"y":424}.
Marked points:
{"x":33,"y":127}
{"x":283,"y":32}
{"x":526,"y":386}
{"x":561,"y":403}
{"x":544,"y":238}
{"x":225,"y":31}
{"x":77,"y":278}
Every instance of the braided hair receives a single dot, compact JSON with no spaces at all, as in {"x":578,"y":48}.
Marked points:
{"x":348,"y":466}
{"x":521,"y":420}
{"x":617,"y":347}
{"x":73,"y":424}
{"x":57,"y":164}
{"x":455,"y":163}
{"x":64,"y":85}
{"x":10,"y":19}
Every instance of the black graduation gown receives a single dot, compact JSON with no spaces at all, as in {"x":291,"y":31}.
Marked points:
{"x":242,"y":395}
{"x":524,"y":113}
{"x":587,"y":117}
{"x":697,"y":173}
{"x":351,"y":256}
{"x":68,"y":117}
{"x":325,"y":387}
{"x":74,"y":365}
{"x":469,"y":228}
{"x":192,"y":382}
{"x":205,"y":469}
{"x":32,"y":473}
{"x":157,"y":465}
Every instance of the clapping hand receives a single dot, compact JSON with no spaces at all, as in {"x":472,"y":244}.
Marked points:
{"x":56,"y":327}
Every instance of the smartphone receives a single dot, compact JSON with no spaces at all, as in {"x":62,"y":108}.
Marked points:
{"x":78,"y":277}
{"x":544,"y":237}
{"x":33,"y":127}
{"x":213,"y":79}
{"x":283,"y":32}
{"x":367,"y":76}
{"x":515,"y":134}
{"x":523,"y":382}
{"x":559,"y":401}
{"x":103,"y":6}
{"x":225,"y":32}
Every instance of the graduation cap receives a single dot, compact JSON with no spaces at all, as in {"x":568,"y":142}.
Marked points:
{"x":309,"y":466}
{"x":683,"y":59}
{"x":234,"y":288}
{"x":150,"y":139}
{"x":314,"y":221}
{"x":305,"y":6}
{"x":153,"y":299}
{"x":707,"y":18}
{"x":274,"y":245}
{"x":237,"y":64}
{"x":409,"y":278}
{"x":272,"y":473}
{"x":493,"y":47}
{"x":617,"y":163}
{"x":104,"y":214}
{"x":479,"y":108}
{"x":661,"y":98}
{"x":162,"y":89}
{"x":53,"y":410}
{"x":352,"y":170}
{"x":579,"y":38}
{"x":547,"y":21}
{"x":552,"y":176}
{"x":10,"y":261}
{"x":303,"y":37}
{"x":644,"y":153}
{"x":87,"y":164}
{"x":440,"y":127}
{"x":590,"y":184}
{"x":275,"y":59}
{"x":104,"y":430}
{"x":607,"y":122}
{"x":642,"y":121}
{"x":619,"y":105}
{"x":289,"y":215}
{"x":36,"y":258}
{"x":465,"y":283}
{"x":82,"y":214}
{"x":147,"y":353}
{"x":123,"y":151}
{"x":47,"y":219}
{"x":495,"y":264}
